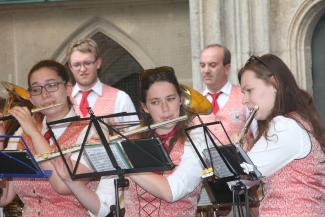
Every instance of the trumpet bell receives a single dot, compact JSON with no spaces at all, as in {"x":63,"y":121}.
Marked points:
{"x":195,"y":102}
{"x":17,"y":96}
{"x":15,"y":90}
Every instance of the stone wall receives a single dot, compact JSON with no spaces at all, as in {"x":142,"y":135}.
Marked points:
{"x":155,"y":32}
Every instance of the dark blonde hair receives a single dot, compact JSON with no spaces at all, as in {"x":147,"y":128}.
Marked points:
{"x":289,"y":97}
{"x":85,"y":46}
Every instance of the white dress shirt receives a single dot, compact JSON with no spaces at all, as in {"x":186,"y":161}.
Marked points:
{"x":288,"y":141}
{"x":223,"y":97}
{"x":124,"y":102}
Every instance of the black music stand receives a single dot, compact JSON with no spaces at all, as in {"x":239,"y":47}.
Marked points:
{"x":20,"y":163}
{"x":122,"y":157}
{"x":231,"y":175}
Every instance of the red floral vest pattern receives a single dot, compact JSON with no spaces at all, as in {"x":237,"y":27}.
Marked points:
{"x":104,"y":104}
{"x":140,"y":203}
{"x":298,"y":189}
{"x":39,"y":197}
{"x":232,"y":116}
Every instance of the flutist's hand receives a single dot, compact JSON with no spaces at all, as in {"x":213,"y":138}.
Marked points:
{"x":24,"y":117}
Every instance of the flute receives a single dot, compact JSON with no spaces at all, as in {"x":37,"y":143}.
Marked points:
{"x":247,"y":124}
{"x":34,"y":110}
{"x":48,"y":156}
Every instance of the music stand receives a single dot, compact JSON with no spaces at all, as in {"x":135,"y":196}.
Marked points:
{"x":230,"y":172}
{"x":121,"y":157}
{"x":20,"y":163}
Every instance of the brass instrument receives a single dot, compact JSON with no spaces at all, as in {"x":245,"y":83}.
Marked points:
{"x":195,"y":102}
{"x":15,"y":90}
{"x":16,"y":96}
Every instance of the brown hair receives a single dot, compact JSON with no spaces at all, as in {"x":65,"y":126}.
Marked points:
{"x":289,"y":97}
{"x":60,"y":69}
{"x":151,"y":76}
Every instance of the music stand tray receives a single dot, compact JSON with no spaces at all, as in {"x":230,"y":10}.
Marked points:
{"x":226,"y":161}
{"x":20,"y":163}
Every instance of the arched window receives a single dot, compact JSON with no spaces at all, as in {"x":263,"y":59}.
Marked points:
{"x":119,"y":68}
{"x":318,"y":66}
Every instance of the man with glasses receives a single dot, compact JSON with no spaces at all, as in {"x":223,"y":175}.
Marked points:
{"x":84,"y":62}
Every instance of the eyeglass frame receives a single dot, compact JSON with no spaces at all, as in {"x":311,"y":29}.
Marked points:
{"x":85,"y":64}
{"x":57,"y":83}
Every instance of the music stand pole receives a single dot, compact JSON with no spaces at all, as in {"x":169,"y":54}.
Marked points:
{"x":120,"y":182}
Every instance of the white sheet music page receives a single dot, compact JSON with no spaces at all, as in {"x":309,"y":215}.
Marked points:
{"x":100,"y":161}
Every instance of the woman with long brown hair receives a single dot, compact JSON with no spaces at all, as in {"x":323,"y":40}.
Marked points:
{"x":290,"y":143}
{"x":156,"y":194}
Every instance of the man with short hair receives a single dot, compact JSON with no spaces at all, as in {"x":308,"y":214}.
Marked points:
{"x":226,"y":98}
{"x":84,"y":62}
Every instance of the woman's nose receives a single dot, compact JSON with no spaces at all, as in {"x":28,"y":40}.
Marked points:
{"x":164,"y":106}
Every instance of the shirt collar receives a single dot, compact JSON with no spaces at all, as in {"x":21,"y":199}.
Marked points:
{"x":226,"y":89}
{"x":97,"y":88}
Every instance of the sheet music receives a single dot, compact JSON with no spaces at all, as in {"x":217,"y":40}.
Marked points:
{"x":218,"y":164}
{"x":98,"y":157}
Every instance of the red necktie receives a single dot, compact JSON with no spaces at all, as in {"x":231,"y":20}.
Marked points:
{"x":83,"y":106}
{"x":47,"y":136}
{"x":215,"y":105}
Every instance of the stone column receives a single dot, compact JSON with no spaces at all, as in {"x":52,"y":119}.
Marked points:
{"x":260,"y":25}
{"x":205,"y":29}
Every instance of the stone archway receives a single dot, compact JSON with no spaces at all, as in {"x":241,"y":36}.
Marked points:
{"x":302,"y":30}
{"x":299,"y":41}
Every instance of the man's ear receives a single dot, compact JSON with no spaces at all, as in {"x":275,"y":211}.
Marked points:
{"x":98,"y":63}
{"x":227,"y":69}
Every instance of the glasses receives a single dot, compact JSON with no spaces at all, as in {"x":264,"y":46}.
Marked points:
{"x":86,"y":64}
{"x":258,"y":59}
{"x":50,"y":87}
